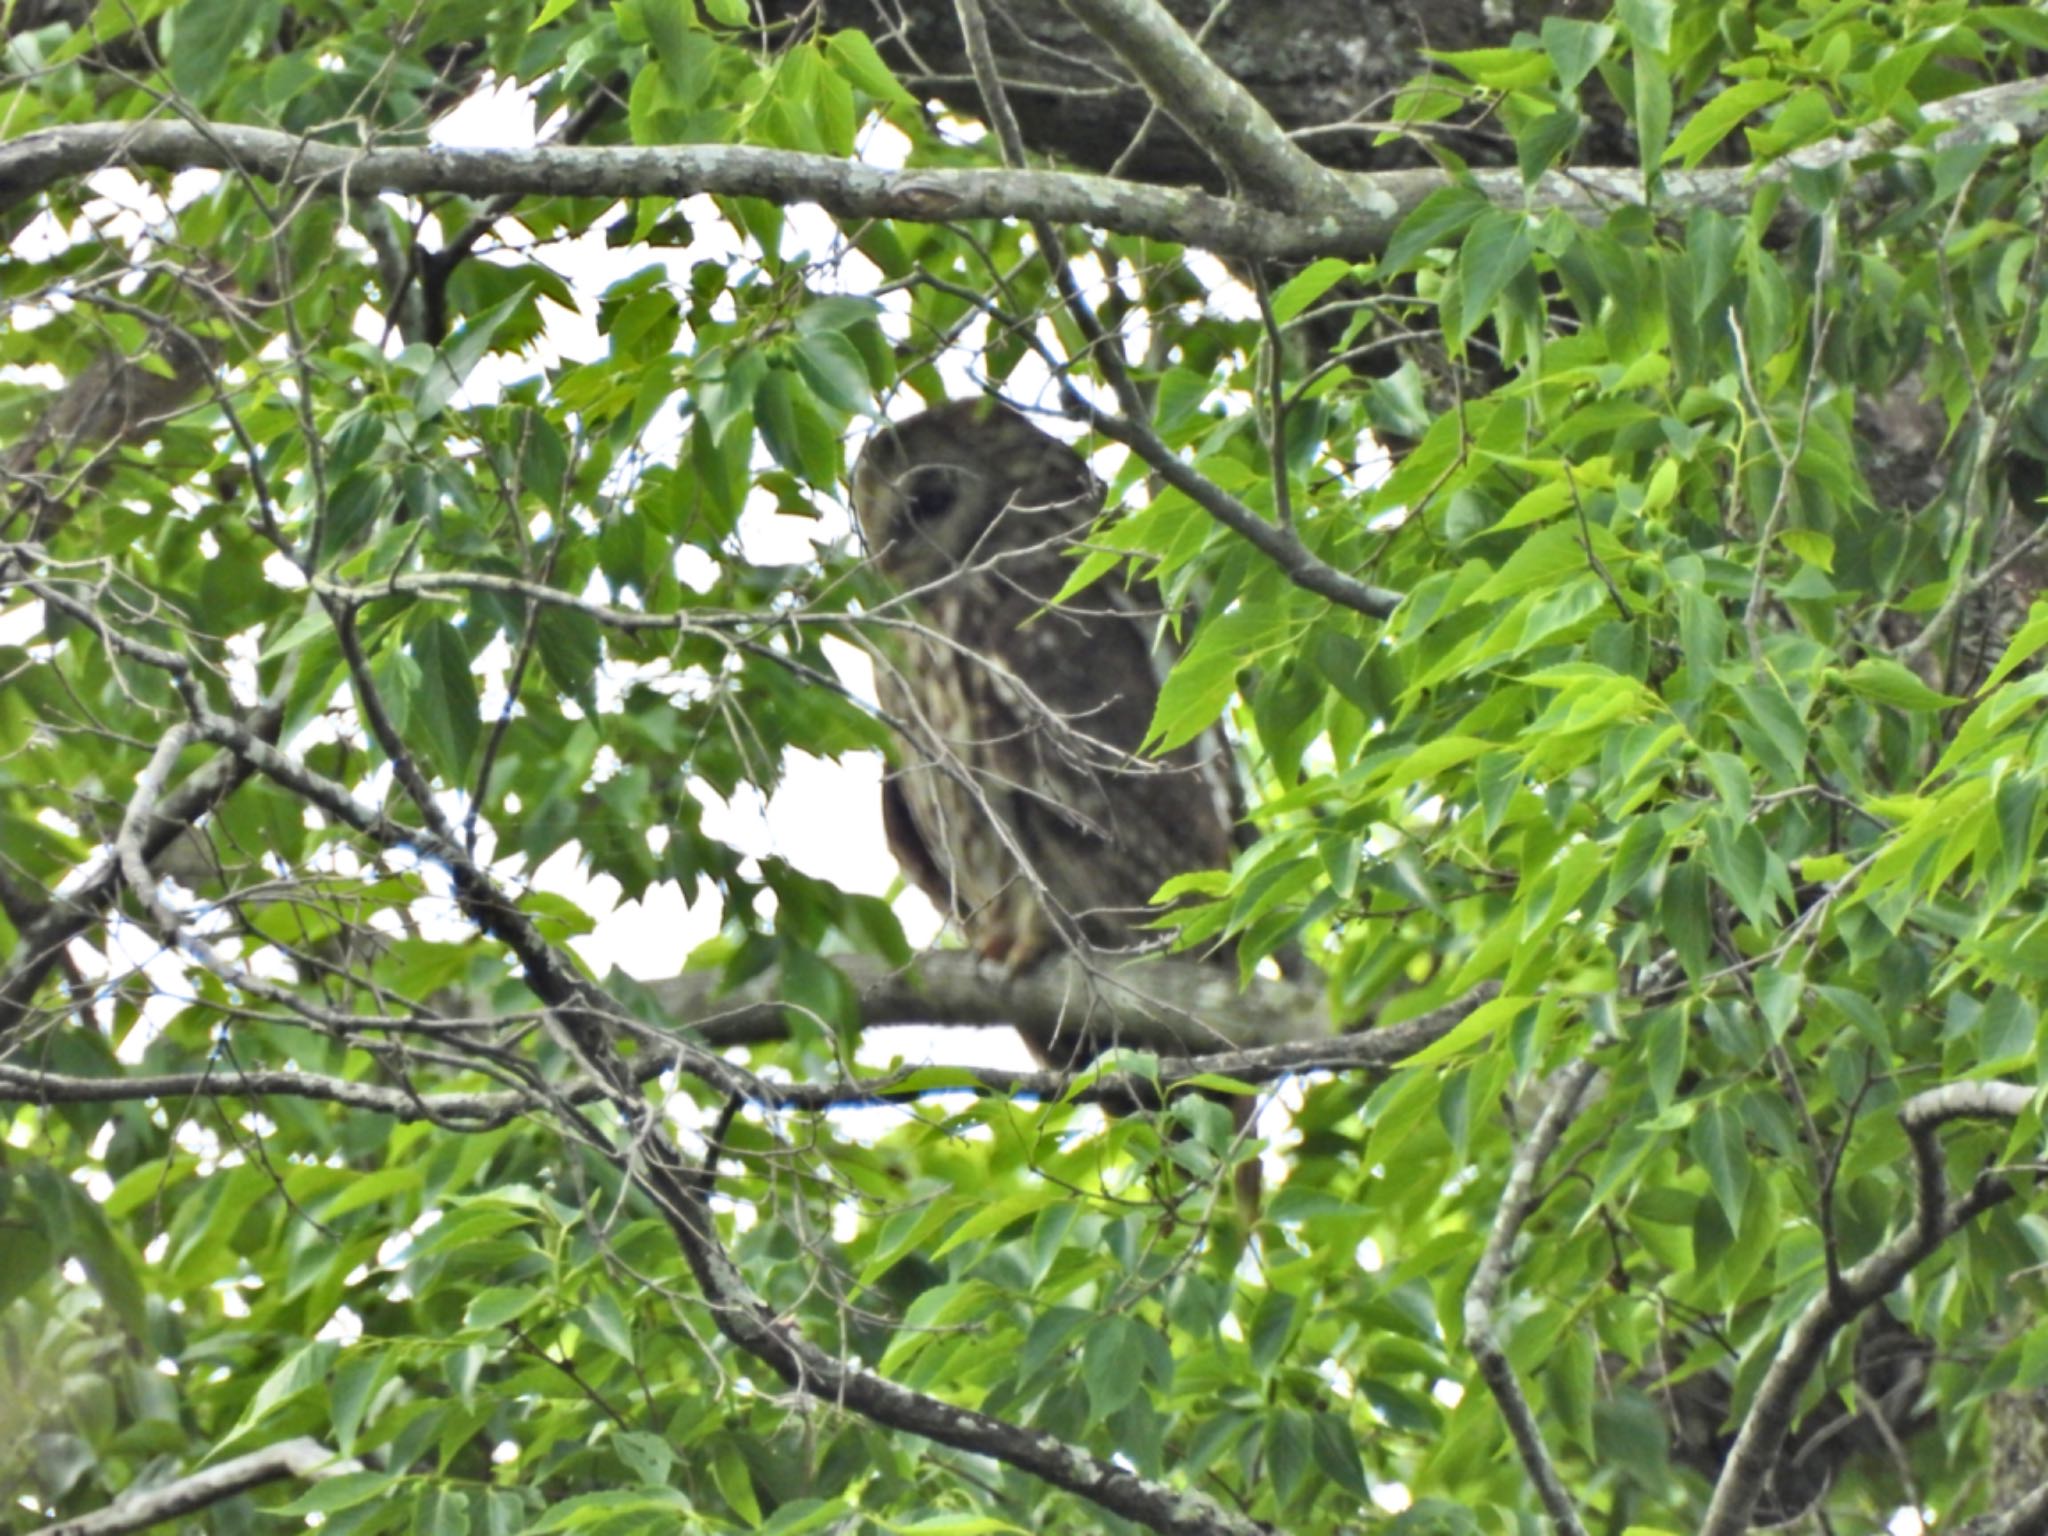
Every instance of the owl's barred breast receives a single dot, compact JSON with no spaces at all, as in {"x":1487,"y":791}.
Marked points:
{"x":1022,"y":807}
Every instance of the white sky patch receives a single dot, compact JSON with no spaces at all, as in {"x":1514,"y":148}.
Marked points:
{"x":1392,"y":1497}
{"x":496,"y":115}
{"x":344,"y":1327}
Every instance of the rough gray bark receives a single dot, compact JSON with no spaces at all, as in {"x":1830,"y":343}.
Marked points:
{"x":1327,"y":69}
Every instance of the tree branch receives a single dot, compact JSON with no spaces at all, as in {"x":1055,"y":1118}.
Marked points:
{"x":135,"y":1511}
{"x":1357,"y":226}
{"x":1482,"y":1296}
{"x":1277,"y":542}
{"x":1935,"y":1219}
{"x":1376,"y":1050}
{"x":586,"y":1019}
{"x":1239,"y":134}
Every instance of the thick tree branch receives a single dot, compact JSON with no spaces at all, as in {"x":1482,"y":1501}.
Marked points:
{"x":1357,"y":225}
{"x":136,"y":1511}
{"x":1239,"y":134}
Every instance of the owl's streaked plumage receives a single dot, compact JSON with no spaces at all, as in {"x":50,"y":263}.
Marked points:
{"x":1022,"y":807}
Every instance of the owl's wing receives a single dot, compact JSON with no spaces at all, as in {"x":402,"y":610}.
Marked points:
{"x":913,"y":855}
{"x":1091,"y":671}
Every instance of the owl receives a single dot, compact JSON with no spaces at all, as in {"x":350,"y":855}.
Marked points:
{"x":1024,"y":807}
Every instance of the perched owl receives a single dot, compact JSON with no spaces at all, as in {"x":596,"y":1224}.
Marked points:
{"x":1023,"y":808}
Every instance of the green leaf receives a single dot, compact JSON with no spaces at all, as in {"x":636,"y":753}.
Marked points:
{"x":1686,"y":914}
{"x":817,"y":995}
{"x":790,"y":425}
{"x":198,"y":37}
{"x":1335,"y":1448}
{"x":831,"y":365}
{"x":734,"y":1482}
{"x":1271,"y":1328}
{"x":445,"y":706}
{"x":448,"y":368}
{"x":498,"y":1304}
{"x":1810,"y":545}
{"x":1496,"y":249}
{"x":1110,"y":1365}
{"x":2022,"y":23}
{"x":855,"y":57}
{"x":1437,"y":221}
{"x":1306,"y":286}
{"x":1574,"y":47}
{"x":1719,"y":117}
{"x":1647,"y":23}
{"x":1203,"y":680}
{"x":1878,"y":677}
{"x":1651,"y":105}
{"x":1718,"y":1143}
{"x":1476,"y":1026}
{"x":1665,"y":1050}
{"x":571,"y":646}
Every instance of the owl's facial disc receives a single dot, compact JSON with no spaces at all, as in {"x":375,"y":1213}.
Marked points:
{"x":929,"y":493}
{"x":931,"y":520}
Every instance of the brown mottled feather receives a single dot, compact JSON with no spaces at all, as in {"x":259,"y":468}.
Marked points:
{"x":1023,"y":808}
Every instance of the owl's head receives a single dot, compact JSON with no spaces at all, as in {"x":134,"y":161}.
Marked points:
{"x":964,"y":485}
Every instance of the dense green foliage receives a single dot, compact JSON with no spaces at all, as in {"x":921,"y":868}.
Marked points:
{"x":1704,"y":735}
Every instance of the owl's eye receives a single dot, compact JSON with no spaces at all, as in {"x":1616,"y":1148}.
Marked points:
{"x":929,"y":495}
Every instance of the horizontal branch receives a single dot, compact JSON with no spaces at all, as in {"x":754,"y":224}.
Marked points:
{"x":1174,"y":1006}
{"x":1371,"y":1050}
{"x":137,"y":1511}
{"x":1354,"y":215}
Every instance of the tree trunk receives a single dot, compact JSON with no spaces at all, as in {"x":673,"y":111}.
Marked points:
{"x":1326,"y":69}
